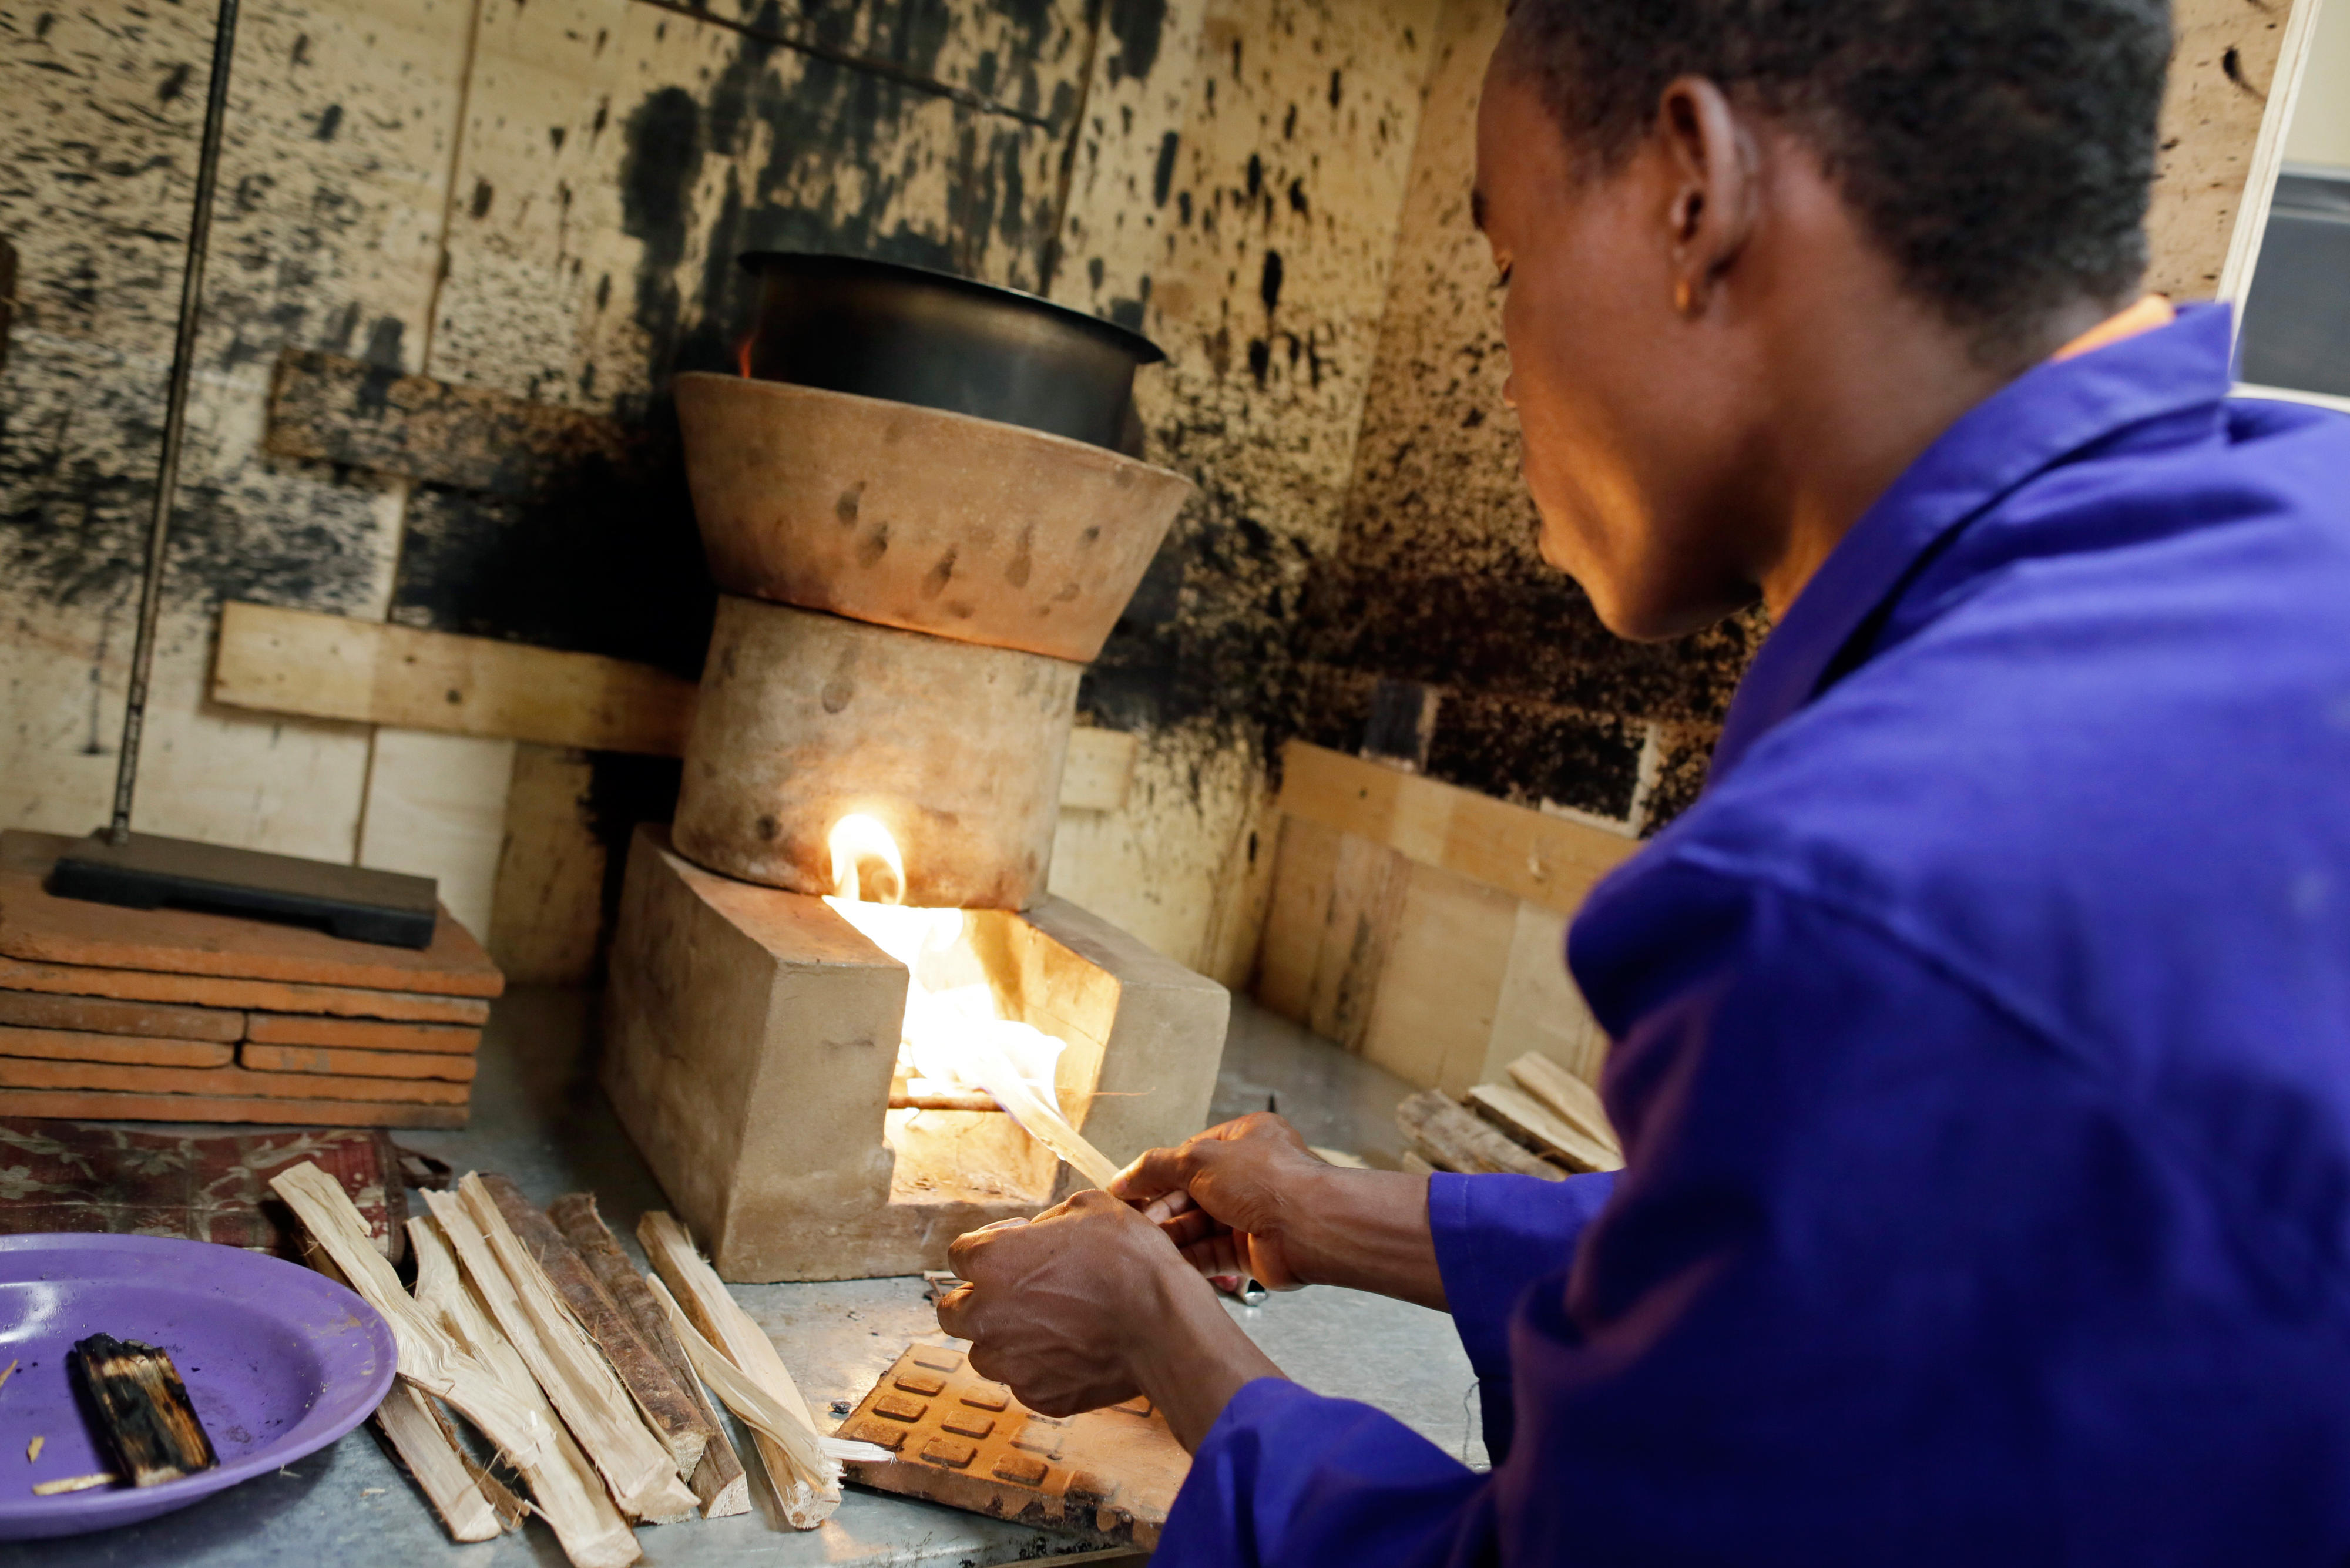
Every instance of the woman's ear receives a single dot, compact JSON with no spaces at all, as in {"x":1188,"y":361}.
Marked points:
{"x":1715,"y":185}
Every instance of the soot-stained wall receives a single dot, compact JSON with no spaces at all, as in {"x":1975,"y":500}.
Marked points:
{"x":546,"y":197}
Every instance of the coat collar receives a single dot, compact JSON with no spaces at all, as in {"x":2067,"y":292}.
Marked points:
{"x":2036,"y":421}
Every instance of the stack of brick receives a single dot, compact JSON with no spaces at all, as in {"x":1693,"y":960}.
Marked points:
{"x":172,"y":1015}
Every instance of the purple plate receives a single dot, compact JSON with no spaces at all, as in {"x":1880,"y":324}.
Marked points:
{"x":279,"y":1362}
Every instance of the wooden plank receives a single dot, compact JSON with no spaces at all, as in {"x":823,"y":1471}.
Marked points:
{"x":224,"y":1082}
{"x":361,"y":1033}
{"x":288,"y":999}
{"x":1451,"y":1139}
{"x":1570,"y":1099}
{"x":718,"y":1481}
{"x":104,"y":1016}
{"x":336,"y":667}
{"x":110,"y":1105}
{"x":324,"y":408}
{"x":1533,"y":1123}
{"x":660,"y":1398}
{"x":1290,"y":949}
{"x":436,"y":807}
{"x":1366,"y":893}
{"x":548,"y":910}
{"x":125,"y":1050}
{"x":1541,"y":1008}
{"x":356,"y":1064}
{"x":373,"y":672}
{"x":1441,"y":985}
{"x":1527,"y":854}
{"x":41,"y":928}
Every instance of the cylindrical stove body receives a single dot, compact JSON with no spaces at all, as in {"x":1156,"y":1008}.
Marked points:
{"x":805,"y":717}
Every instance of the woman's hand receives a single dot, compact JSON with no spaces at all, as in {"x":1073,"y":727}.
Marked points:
{"x":1249,"y":1198}
{"x":1090,"y":1305}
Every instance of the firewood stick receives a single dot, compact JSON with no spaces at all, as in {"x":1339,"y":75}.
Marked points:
{"x":718,"y":1481}
{"x":448,"y":1300}
{"x":472,"y":1503}
{"x":664,"y":1405}
{"x":988,"y":1063}
{"x":642,"y":1477}
{"x":590,"y":1530}
{"x":761,"y":1410}
{"x":427,"y":1450}
{"x":809,"y":1494}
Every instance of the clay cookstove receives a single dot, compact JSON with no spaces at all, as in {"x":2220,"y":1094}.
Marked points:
{"x":909,"y":597}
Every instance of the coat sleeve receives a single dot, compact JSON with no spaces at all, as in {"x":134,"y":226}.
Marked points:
{"x":1805,"y":1326}
{"x":1495,"y":1236}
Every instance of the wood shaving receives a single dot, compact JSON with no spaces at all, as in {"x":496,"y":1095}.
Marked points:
{"x":75,"y":1483}
{"x":33,"y":1449}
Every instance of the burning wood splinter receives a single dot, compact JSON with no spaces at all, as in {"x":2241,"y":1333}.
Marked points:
{"x":142,"y":1410}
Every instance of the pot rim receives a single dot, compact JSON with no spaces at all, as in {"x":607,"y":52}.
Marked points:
{"x":828,"y":264}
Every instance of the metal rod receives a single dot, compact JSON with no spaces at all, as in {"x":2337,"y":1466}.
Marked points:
{"x":175,"y":422}
{"x":889,"y":70}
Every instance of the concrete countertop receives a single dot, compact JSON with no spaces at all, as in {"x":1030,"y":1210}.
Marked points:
{"x":539,"y":1119}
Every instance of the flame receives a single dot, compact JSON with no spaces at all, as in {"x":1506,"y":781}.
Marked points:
{"x":854,"y":839}
{"x":743,"y":356}
{"x":955,"y":1034}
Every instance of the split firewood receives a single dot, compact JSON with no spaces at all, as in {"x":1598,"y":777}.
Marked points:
{"x":445,"y":1294}
{"x":992,"y":1068}
{"x":143,"y":1414}
{"x":718,"y":1481}
{"x":1575,"y":1102}
{"x":429,"y":1451}
{"x":1532,"y":1123}
{"x":809,"y":1493}
{"x":664,"y":1404}
{"x":642,"y":1477}
{"x":1450,"y":1138}
{"x":762,"y":1410}
{"x":471,"y":1503}
{"x":590,"y":1530}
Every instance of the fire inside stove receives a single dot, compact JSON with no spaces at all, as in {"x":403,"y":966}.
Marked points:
{"x":961,"y":1058}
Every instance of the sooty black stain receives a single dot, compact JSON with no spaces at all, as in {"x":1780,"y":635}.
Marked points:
{"x":1137,"y":25}
{"x":1268,"y":288}
{"x":1163,"y":178}
{"x":331,"y":121}
{"x":383,"y":346}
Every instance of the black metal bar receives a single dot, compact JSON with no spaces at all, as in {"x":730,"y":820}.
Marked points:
{"x":886,"y":69}
{"x":175,"y":421}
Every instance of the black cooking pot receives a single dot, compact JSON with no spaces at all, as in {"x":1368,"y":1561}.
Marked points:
{"x":913,"y":336}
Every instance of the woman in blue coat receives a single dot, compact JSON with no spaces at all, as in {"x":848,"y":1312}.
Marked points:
{"x":1981,"y":1036}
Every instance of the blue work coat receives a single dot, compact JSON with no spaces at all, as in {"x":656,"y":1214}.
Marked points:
{"x":1981,"y":1058}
